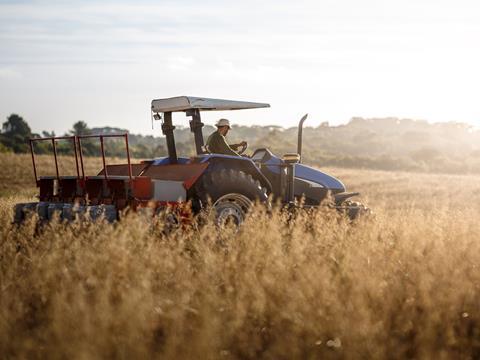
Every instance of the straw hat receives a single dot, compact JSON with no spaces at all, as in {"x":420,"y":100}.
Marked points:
{"x":223,"y":122}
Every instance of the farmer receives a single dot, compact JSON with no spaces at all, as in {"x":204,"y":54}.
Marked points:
{"x":217,"y":143}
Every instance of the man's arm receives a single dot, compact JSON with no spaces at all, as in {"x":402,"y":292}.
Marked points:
{"x":225,"y":148}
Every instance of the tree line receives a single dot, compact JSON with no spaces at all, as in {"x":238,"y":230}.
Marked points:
{"x":16,"y":133}
{"x":380,"y":143}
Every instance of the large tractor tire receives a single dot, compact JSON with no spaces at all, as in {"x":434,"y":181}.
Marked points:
{"x":231,"y":193}
{"x":213,"y":185}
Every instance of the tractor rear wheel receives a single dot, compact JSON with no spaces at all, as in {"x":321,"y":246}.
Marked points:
{"x":213,"y":185}
{"x":230,"y":210}
{"x":231,"y":192}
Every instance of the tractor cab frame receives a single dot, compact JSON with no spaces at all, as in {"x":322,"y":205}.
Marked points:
{"x":192,"y":106}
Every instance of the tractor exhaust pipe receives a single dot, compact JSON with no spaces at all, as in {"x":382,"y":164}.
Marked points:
{"x":300,"y":136}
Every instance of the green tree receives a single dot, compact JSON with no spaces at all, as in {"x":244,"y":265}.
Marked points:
{"x":48,"y":134}
{"x":89,"y":146}
{"x":4,"y":149}
{"x":141,"y":151}
{"x":80,"y":128}
{"x":15,"y":134}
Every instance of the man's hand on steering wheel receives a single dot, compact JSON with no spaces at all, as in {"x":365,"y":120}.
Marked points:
{"x":243,"y":146}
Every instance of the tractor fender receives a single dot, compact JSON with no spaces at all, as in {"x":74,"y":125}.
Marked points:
{"x":218,"y":162}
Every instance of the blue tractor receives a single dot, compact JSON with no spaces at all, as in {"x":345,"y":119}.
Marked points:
{"x":233,"y":183}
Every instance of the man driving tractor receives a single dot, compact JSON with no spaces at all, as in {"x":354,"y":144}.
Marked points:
{"x":217,"y":143}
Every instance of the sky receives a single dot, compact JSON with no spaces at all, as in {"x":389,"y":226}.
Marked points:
{"x":104,"y":61}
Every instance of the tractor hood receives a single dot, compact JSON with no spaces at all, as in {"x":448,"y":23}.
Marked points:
{"x":308,"y":173}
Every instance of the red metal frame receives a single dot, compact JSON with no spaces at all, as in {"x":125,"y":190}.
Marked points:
{"x":101,"y":137}
{"x":76,"y":141}
{"x":54,"y":146}
{"x":138,"y":185}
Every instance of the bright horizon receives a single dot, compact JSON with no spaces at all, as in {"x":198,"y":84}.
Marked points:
{"x":103,"y":62}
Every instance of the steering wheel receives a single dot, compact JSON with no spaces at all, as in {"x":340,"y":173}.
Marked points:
{"x":242,"y":149}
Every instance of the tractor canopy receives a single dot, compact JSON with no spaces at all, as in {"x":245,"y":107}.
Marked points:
{"x":185,"y":103}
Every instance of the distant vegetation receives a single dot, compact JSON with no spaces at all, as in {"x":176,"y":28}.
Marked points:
{"x":383,"y":143}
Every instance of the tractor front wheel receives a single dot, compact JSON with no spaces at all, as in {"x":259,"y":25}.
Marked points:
{"x":354,"y":209}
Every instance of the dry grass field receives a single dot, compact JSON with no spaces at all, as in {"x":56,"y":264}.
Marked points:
{"x":402,"y":284}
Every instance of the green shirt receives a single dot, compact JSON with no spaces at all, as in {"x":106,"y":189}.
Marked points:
{"x":217,"y":144}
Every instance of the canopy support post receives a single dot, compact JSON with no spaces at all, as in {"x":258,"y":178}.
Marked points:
{"x":196,"y":126}
{"x":167,"y":129}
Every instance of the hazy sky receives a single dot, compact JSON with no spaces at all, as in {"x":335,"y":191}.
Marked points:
{"x":103,"y":62}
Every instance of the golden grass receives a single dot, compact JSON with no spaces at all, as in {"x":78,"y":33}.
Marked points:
{"x":404,"y":284}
